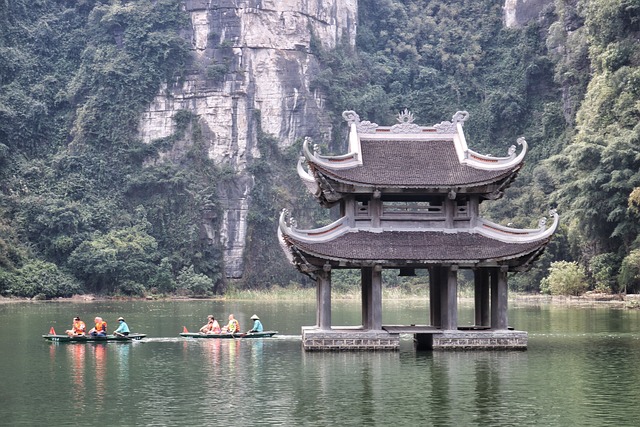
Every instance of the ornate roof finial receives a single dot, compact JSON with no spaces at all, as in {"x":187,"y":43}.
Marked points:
{"x":288,"y":219}
{"x":351,"y":117}
{"x":405,"y":116}
{"x":460,"y":117}
{"x":543,"y":222}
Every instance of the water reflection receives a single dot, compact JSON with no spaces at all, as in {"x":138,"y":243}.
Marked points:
{"x":76,"y":353}
{"x":122,"y":355}
{"x":100,"y":368}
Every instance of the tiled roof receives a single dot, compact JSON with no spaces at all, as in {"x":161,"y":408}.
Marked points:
{"x":415,"y":245}
{"x":430,"y":163}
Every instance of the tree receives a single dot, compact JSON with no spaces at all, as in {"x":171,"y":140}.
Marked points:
{"x":565,"y":278}
{"x":40,"y":278}
{"x":107,"y":261}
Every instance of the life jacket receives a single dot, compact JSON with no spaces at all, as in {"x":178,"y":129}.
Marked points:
{"x":101,"y":327}
{"x":79,"y":327}
{"x":233,"y":326}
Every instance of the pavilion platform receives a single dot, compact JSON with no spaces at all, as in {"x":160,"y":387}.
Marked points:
{"x":425,"y":337}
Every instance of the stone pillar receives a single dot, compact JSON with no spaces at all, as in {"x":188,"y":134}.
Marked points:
{"x":482,"y":313}
{"x":375,"y":309}
{"x":323,"y":313}
{"x":375,"y":209}
{"x":474,"y":202}
{"x":435,"y":280}
{"x":449,"y":211}
{"x":365,"y":279}
{"x":499,"y":297}
{"x":449,"y":299}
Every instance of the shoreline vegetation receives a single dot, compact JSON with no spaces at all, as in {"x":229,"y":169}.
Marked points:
{"x":589,"y":299}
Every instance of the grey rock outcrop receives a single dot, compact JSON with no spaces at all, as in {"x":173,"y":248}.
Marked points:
{"x":518,"y":13}
{"x":248,"y":56}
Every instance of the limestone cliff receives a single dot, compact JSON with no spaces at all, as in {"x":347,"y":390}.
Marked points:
{"x":250,"y":55}
{"x":518,"y":13}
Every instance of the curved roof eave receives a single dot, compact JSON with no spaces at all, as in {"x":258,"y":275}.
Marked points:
{"x":513,"y":235}
{"x":484,"y":162}
{"x":345,"y":161}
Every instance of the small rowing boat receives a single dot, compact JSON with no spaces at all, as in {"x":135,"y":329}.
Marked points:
{"x":265,"y":334}
{"x":90,"y":338}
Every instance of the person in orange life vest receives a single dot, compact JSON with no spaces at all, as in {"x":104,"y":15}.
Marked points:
{"x":212,"y":326}
{"x":100,"y":329}
{"x":233,"y":325}
{"x":78,"y":327}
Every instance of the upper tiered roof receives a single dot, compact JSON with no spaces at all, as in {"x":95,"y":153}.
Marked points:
{"x":408,"y":157}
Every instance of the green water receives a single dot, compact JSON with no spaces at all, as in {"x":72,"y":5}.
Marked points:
{"x":581,"y":369}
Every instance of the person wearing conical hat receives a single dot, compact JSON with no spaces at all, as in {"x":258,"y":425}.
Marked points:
{"x":257,"y":325}
{"x":123,"y":328}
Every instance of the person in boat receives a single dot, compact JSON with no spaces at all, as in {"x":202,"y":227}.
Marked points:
{"x":257,"y":325}
{"x":212,"y":326}
{"x":123,"y":328}
{"x":78,"y":328}
{"x":100,"y":330}
{"x":233,"y":326}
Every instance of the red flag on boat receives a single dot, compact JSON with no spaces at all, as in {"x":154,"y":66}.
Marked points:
{"x":52,"y":331}
{"x":184,"y":330}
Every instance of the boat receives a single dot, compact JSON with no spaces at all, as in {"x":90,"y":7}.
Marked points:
{"x":91,"y":338}
{"x":237,"y":335}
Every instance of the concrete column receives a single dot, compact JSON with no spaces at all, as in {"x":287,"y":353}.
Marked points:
{"x":482,"y":313}
{"x":376,"y":298}
{"x":449,"y":299}
{"x":474,"y":202}
{"x":323,"y":313}
{"x":435,"y":278}
{"x":449,"y":211}
{"x":375,"y":210}
{"x":499,"y":298}
{"x":365,"y":279}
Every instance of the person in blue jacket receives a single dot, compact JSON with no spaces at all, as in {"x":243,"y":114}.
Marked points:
{"x":257,"y":325}
{"x":123,"y":328}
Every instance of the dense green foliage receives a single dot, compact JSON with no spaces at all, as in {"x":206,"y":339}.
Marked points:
{"x":79,"y":188}
{"x":86,"y":206}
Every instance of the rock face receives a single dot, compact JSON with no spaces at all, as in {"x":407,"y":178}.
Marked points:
{"x":518,"y":13}
{"x":250,"y":56}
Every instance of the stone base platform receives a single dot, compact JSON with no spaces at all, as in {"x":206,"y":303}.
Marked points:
{"x":426,"y":338}
{"x":473,"y":340}
{"x":350,"y":339}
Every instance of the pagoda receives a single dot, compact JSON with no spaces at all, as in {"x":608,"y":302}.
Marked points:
{"x":409,"y":199}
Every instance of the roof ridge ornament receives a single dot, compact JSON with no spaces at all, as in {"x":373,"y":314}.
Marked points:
{"x":405,"y":123}
{"x":361,"y":127}
{"x":451,"y":127}
{"x":405,"y":116}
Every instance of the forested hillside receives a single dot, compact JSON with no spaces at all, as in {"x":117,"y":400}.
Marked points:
{"x":86,"y":206}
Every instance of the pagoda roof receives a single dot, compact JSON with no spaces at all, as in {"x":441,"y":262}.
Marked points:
{"x":484,"y":245}
{"x":408,"y":156}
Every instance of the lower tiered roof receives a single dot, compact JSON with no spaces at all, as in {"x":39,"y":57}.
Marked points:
{"x":485,"y":245}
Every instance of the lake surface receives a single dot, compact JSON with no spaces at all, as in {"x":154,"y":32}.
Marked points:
{"x":581,"y":369}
